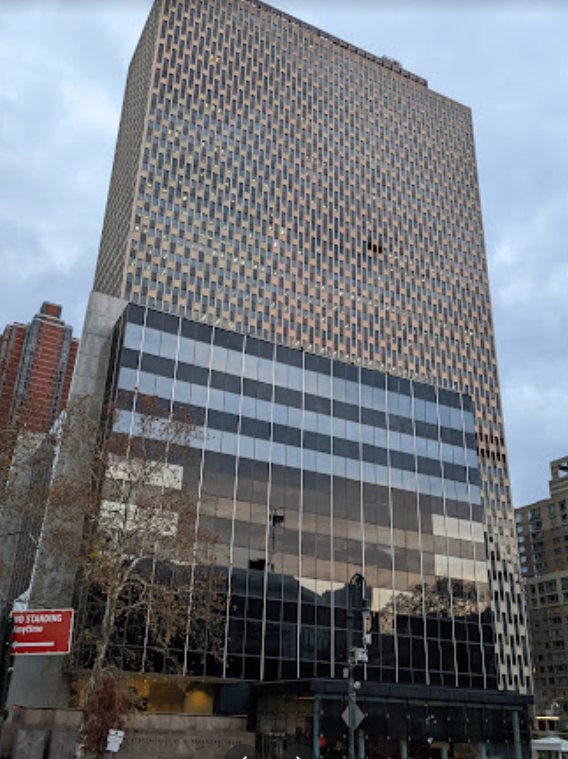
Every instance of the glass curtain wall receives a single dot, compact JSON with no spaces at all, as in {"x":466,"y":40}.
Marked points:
{"x":311,"y":470}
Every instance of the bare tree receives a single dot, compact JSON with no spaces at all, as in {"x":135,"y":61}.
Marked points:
{"x":106,"y":710}
{"x":124,"y":527}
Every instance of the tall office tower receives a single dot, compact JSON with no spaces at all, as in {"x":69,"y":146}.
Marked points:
{"x":319,"y":479}
{"x":542,"y":529}
{"x":36,"y":366}
{"x":283,"y":183}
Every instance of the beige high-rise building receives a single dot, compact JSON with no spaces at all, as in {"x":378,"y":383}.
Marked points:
{"x":278,"y":181}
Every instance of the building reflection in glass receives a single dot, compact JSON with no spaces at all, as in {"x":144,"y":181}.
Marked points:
{"x":311,"y":470}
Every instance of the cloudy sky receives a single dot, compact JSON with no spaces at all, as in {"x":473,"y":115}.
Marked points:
{"x":63,"y":66}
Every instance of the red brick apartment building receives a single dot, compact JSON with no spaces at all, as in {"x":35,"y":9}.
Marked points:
{"x":36,"y":366}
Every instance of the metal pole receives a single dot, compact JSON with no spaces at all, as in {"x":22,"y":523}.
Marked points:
{"x":5,"y":653}
{"x":361,"y":743}
{"x":517,"y":736}
{"x":351,"y":681}
{"x":355,"y":654}
{"x":316,"y":728}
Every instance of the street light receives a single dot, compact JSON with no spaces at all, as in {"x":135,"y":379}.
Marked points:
{"x":356,"y":599}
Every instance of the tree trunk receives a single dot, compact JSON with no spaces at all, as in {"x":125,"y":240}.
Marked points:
{"x":102,"y":650}
{"x":103,"y":643}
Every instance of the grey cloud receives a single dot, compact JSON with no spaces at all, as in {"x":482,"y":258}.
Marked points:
{"x":64,"y":66}
{"x":60,"y":99}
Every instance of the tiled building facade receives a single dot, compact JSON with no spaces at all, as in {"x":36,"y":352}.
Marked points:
{"x":284,"y":184}
{"x":36,"y":366}
{"x":542,"y":531}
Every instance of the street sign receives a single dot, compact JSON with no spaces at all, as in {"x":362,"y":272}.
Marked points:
{"x":114,"y":740}
{"x":358,"y":715}
{"x":42,"y":631}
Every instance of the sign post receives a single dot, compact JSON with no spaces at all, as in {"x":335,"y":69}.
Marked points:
{"x":45,"y":632}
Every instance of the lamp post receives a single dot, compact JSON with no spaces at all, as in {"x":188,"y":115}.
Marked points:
{"x":356,"y":654}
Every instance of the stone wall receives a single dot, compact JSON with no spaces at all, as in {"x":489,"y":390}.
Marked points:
{"x":51,"y":734}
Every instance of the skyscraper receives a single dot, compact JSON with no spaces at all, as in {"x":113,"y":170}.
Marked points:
{"x":286,"y":184}
{"x":312,"y":473}
{"x":36,"y":366}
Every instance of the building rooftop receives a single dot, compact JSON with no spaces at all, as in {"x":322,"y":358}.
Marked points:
{"x":384,"y":60}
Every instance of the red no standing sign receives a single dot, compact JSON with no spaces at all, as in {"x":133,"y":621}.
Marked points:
{"x":42,"y":631}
